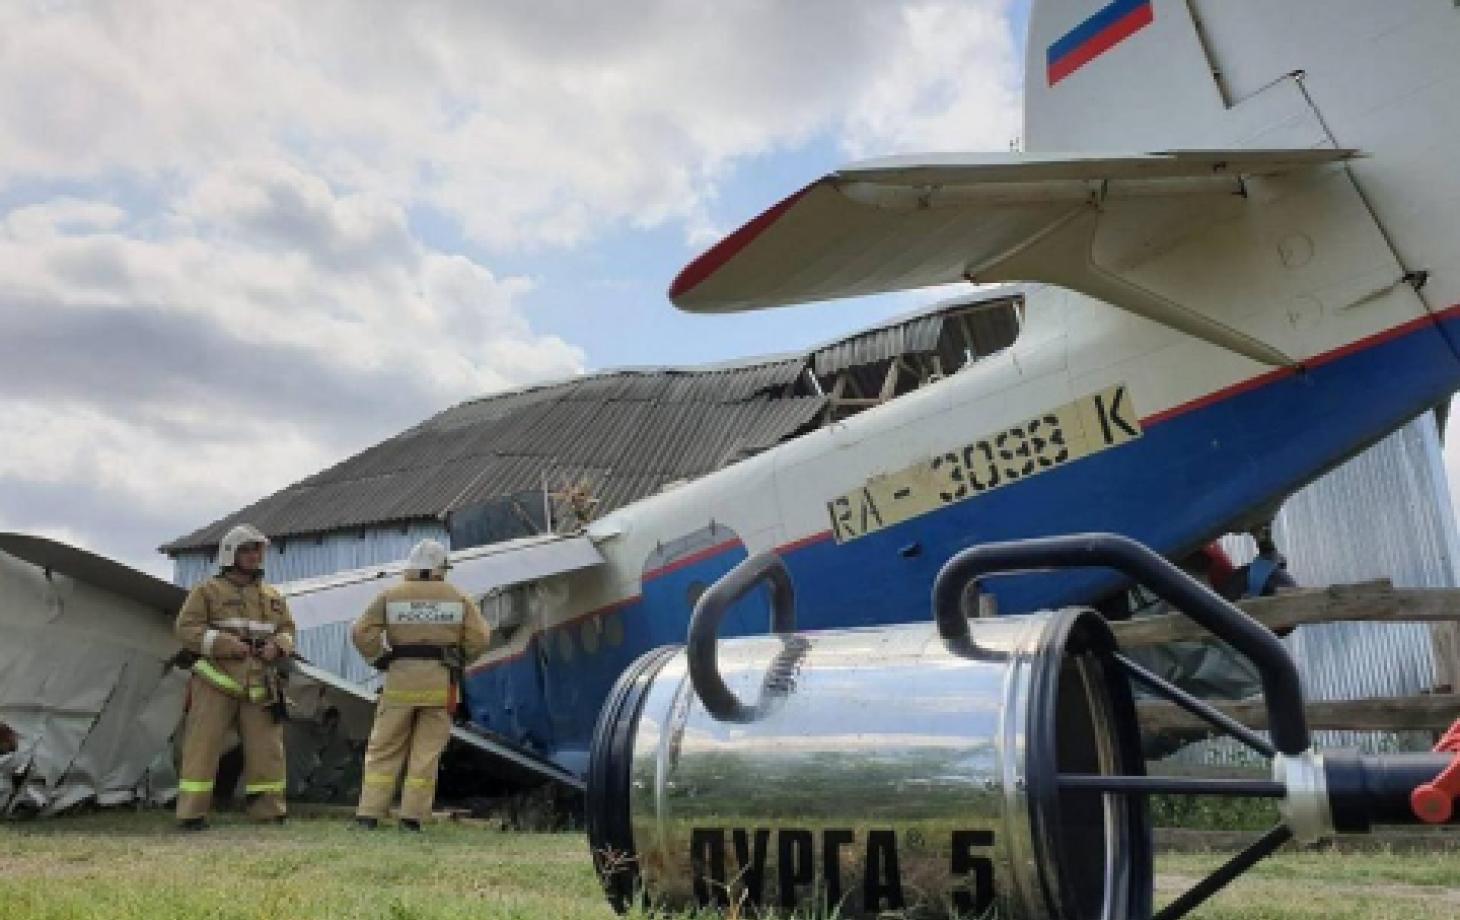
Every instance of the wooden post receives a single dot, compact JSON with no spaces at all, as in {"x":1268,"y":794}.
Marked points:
{"x":1445,"y":639}
{"x":889,"y":383}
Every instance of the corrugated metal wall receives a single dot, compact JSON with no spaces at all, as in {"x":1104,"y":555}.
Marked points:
{"x":1384,"y":514}
{"x":311,"y":557}
{"x":329,"y":647}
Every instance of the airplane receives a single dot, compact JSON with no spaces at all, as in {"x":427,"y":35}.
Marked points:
{"x":1205,"y":328}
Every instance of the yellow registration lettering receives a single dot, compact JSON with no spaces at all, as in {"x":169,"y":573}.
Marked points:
{"x":1053,"y":438}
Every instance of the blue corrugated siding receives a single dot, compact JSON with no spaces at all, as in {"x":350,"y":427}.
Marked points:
{"x":1385,"y":514}
{"x":328,"y":646}
{"x":311,"y":557}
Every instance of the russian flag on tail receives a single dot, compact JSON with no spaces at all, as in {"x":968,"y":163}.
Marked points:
{"x":1111,"y":25}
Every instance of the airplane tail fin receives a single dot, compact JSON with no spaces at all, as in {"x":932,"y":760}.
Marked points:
{"x":1118,"y":75}
{"x":1244,"y":74}
{"x":1302,"y":196}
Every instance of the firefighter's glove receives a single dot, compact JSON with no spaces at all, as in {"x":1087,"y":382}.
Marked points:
{"x":227,"y":646}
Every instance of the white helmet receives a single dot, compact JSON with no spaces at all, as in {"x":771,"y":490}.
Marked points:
{"x":241,"y":535}
{"x":426,"y":556}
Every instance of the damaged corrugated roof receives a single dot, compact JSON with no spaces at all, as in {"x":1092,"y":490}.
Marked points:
{"x":627,"y":432}
{"x":624,"y":433}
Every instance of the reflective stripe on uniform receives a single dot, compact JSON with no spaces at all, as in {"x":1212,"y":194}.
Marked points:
{"x":416,"y":782}
{"x":379,"y":779}
{"x":260,"y":788}
{"x":205,"y":669}
{"x":195,"y":785}
{"x":244,"y":623}
{"x":424,"y":613}
{"x":418,"y":697}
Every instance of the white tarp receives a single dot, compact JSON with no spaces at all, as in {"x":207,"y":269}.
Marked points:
{"x":83,"y":685}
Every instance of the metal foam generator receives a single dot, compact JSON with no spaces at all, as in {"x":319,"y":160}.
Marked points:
{"x":965,"y":769}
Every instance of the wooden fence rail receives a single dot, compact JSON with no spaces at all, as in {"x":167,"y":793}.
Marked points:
{"x":1376,"y":601}
{"x":1427,"y":712}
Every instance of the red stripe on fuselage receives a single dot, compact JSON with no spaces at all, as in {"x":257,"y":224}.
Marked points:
{"x":691,"y":559}
{"x":1327,"y":357}
{"x":804,"y":542}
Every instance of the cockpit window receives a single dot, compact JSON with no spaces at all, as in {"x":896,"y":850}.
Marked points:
{"x":879,"y":365}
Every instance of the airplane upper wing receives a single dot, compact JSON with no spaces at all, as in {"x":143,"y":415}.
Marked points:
{"x":904,"y":222}
{"x":53,"y":555}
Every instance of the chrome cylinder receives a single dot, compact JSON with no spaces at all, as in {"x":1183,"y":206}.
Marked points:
{"x":883,"y":769}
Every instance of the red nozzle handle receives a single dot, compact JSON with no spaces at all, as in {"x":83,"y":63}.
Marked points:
{"x":1434,"y":802}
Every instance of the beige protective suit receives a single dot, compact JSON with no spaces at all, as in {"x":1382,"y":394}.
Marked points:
{"x":413,"y":718}
{"x":229,"y":687}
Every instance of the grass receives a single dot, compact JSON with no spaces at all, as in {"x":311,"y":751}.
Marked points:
{"x":1315,"y":884}
{"x":134,"y":866}
{"x":1213,"y":813}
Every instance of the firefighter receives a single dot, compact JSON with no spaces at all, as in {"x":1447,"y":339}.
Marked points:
{"x":242,"y":632}
{"x":420,"y":632}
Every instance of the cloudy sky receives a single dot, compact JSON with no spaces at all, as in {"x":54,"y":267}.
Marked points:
{"x":241,"y":241}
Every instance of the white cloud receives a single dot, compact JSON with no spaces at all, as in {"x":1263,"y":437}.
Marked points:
{"x":957,"y":87}
{"x":538,"y":124}
{"x":57,"y":445}
{"x":61,"y":216}
{"x":186,"y":364}
{"x":229,"y":292}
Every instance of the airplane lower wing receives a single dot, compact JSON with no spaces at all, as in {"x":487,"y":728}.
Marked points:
{"x":476,"y":571}
{"x":904,"y":222}
{"x":313,"y":690}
